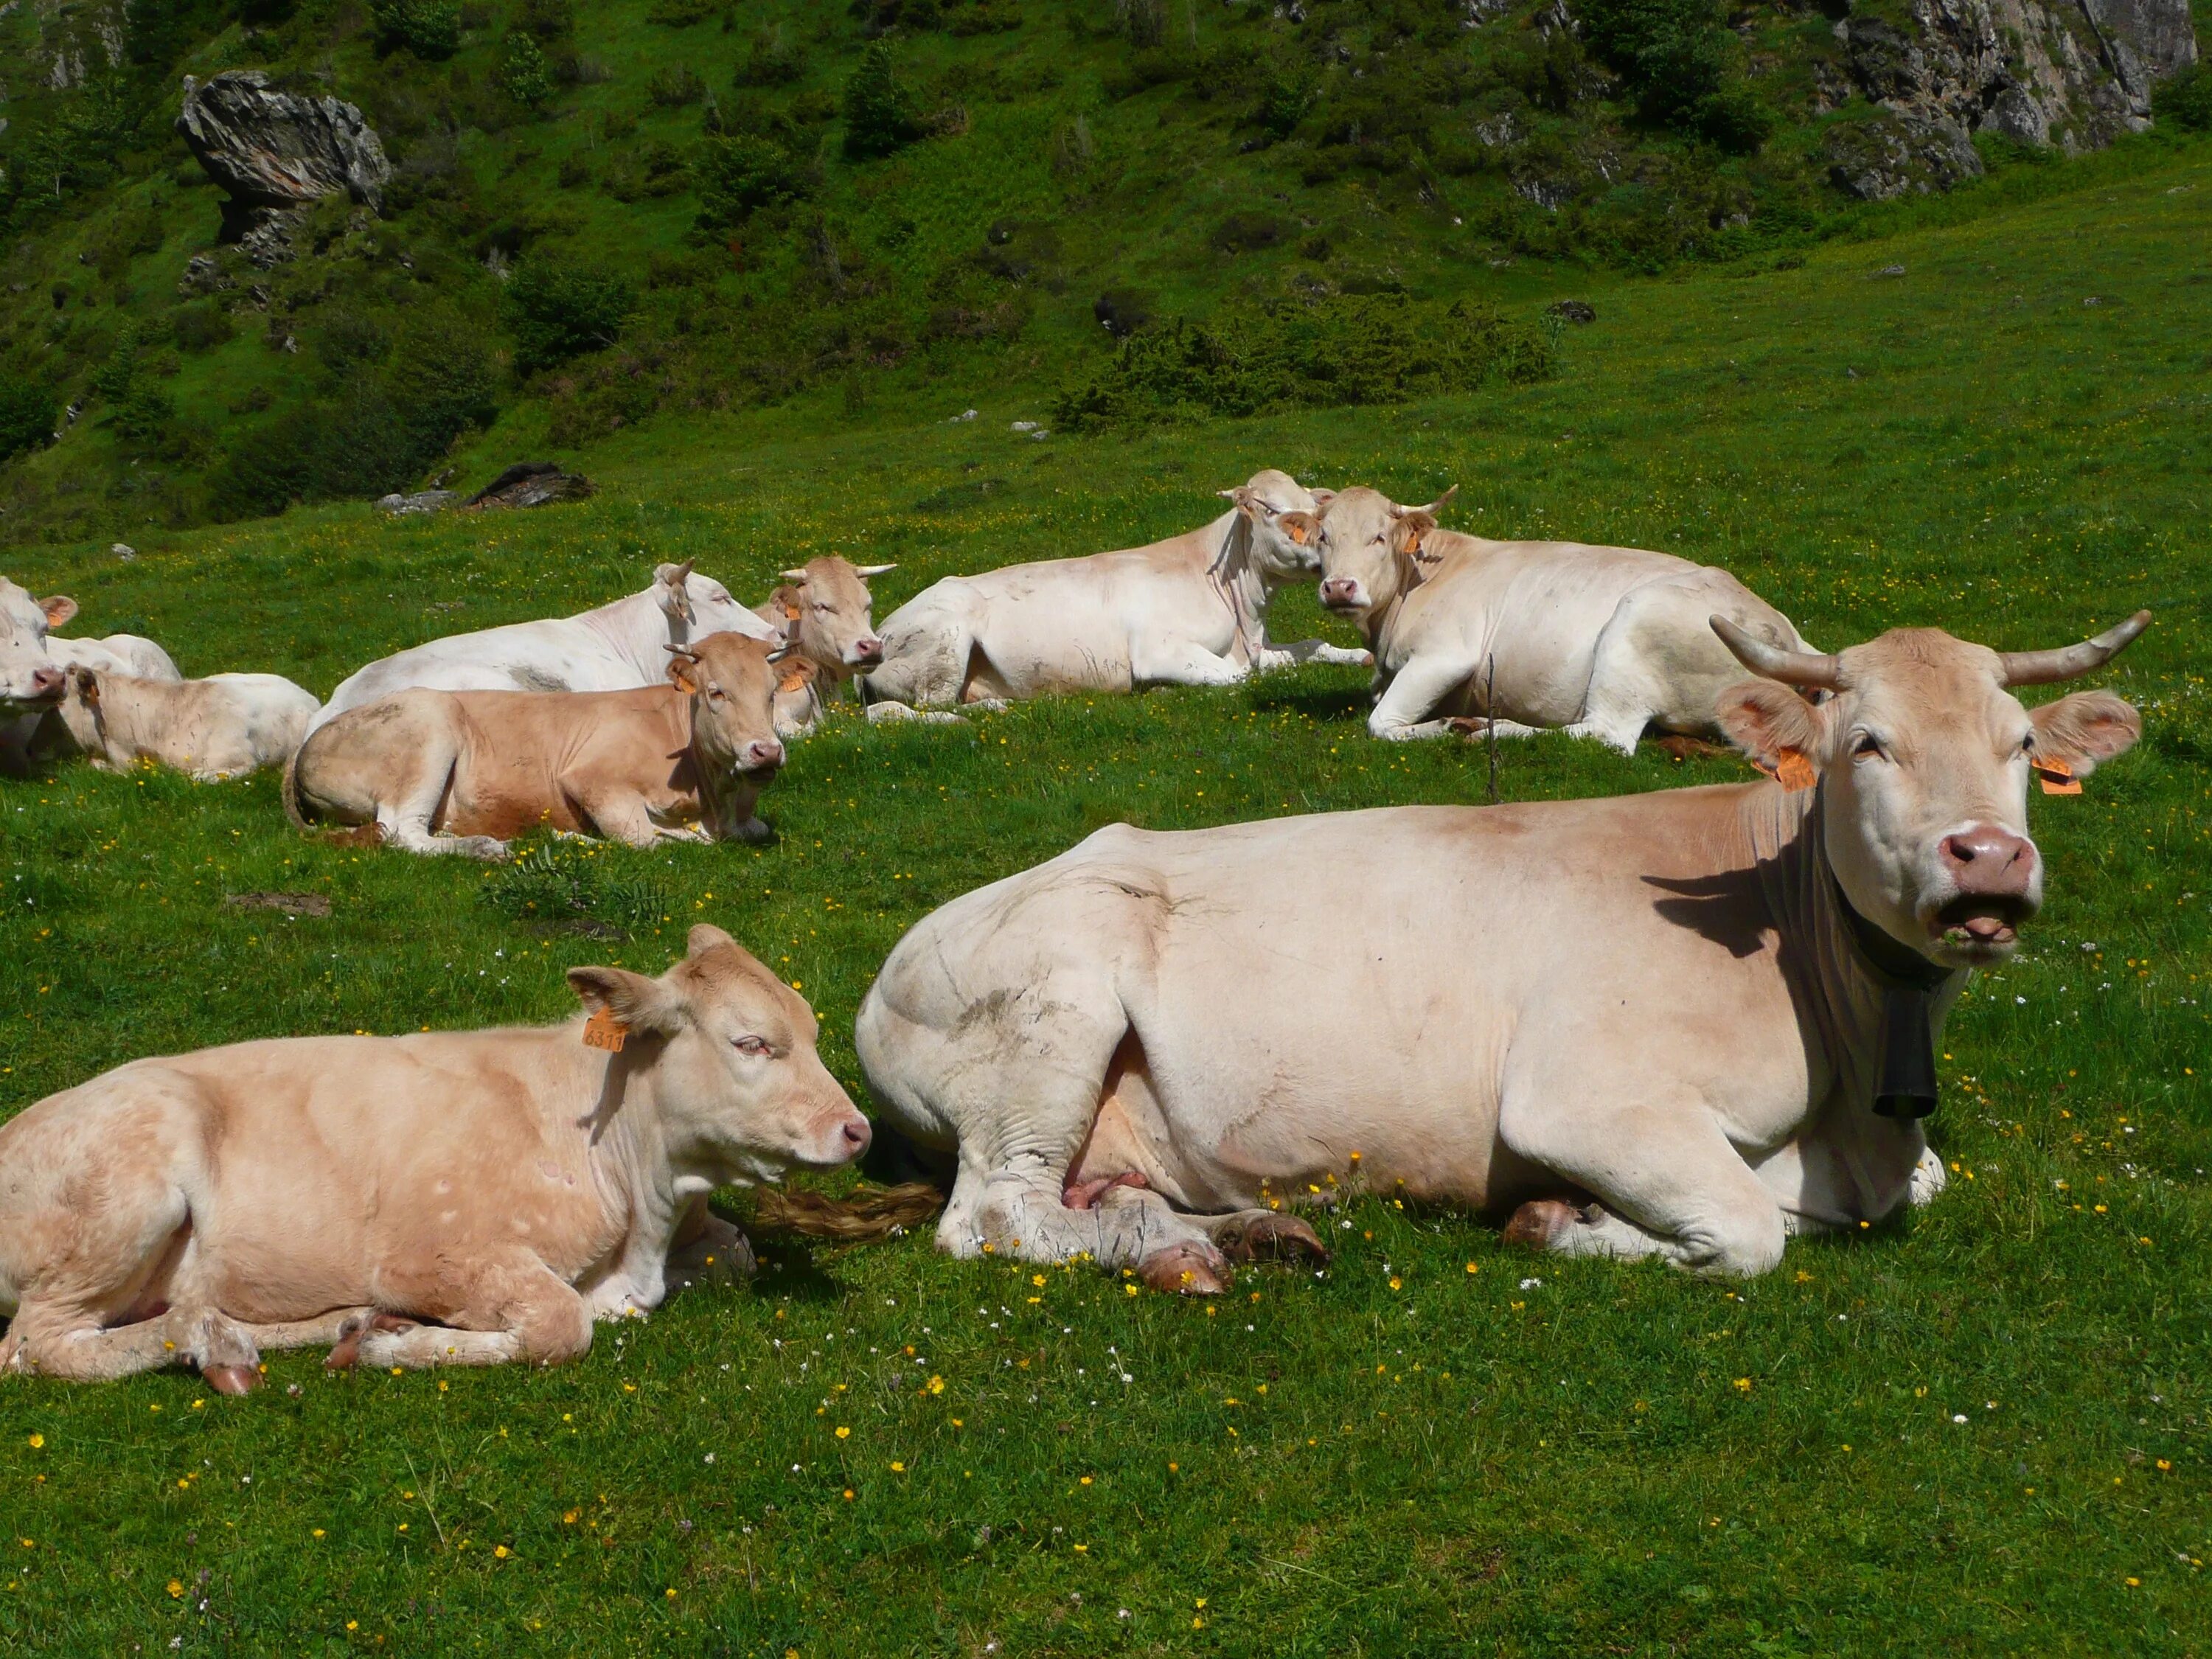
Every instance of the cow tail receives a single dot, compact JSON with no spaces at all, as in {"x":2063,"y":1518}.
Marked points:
{"x":291,"y":788}
{"x":864,"y":1216}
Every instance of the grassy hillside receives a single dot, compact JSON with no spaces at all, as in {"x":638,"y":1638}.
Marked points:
{"x":1440,"y":1447}
{"x":720,"y":193}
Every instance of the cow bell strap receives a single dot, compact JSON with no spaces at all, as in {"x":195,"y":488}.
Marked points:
{"x":1905,"y":1082}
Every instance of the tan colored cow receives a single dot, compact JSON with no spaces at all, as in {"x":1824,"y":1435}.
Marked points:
{"x":1189,"y":610}
{"x":1684,"y":1024}
{"x":467,"y":771}
{"x":1599,"y":641}
{"x":511,"y":1185}
{"x":823,"y":614}
{"x":34,"y":665}
{"x":223,"y":726}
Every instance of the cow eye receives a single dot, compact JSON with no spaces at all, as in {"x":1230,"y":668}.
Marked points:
{"x":1867,"y":746}
{"x":754,"y":1046}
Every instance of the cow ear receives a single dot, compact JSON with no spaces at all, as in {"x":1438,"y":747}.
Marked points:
{"x":1768,"y":720}
{"x":681,"y":676}
{"x":705,"y":937}
{"x":2084,"y":730}
{"x":87,"y":685}
{"x":635,"y":1001}
{"x":1248,"y":502}
{"x":868,"y":570}
{"x":59,"y":608}
{"x":1411,"y":530}
{"x":1300,"y":527}
{"x":1321,"y":497}
{"x":673,"y":575}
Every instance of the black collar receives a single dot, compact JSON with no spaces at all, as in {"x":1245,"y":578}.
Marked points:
{"x":1905,"y":1083}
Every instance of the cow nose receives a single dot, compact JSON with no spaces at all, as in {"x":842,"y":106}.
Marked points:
{"x":1986,"y":861}
{"x":856,"y":1135}
{"x":763,"y":752}
{"x":1340,"y":590}
{"x":46,"y":681}
{"x":868,"y":650}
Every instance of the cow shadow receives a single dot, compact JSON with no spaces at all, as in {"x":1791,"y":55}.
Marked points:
{"x":1729,"y":908}
{"x":1349,"y":703}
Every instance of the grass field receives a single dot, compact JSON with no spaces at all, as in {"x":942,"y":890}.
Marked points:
{"x":1985,"y":1429}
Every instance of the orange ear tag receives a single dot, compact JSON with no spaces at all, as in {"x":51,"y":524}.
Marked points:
{"x":1795,"y":772}
{"x":604,"y":1030}
{"x":795,"y":678}
{"x":2057,"y":777}
{"x":790,"y":612}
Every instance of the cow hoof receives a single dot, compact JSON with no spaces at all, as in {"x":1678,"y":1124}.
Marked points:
{"x":235,"y":1379}
{"x":345,"y":1352}
{"x":1271,"y":1238}
{"x":1185,"y":1269}
{"x":1540,"y":1223}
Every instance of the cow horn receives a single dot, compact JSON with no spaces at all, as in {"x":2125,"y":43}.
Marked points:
{"x":1433,"y":507}
{"x":2041,"y":667}
{"x":682,"y":651}
{"x":1790,"y":667}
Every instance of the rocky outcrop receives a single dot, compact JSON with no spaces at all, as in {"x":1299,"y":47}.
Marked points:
{"x":531,"y":484}
{"x":2074,"y":74}
{"x":275,"y":151}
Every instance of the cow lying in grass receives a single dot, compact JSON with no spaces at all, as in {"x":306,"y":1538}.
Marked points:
{"x":1189,"y":610}
{"x":467,"y":771}
{"x":617,"y":647}
{"x":822,"y":613}
{"x":512,"y":1185}
{"x":223,"y":726}
{"x":34,"y":665}
{"x":1684,"y":1024}
{"x":1599,"y":641}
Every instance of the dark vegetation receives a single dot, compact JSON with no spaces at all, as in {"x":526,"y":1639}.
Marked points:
{"x":600,"y":215}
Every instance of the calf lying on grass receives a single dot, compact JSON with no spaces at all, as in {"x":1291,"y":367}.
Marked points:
{"x":514,"y":1185}
{"x":223,"y":726}
{"x":465,"y":771}
{"x":822,"y":612}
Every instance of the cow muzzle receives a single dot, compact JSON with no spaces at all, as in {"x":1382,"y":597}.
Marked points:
{"x":1994,"y":888}
{"x":864,"y":653}
{"x":761,"y":755}
{"x":41,"y":688}
{"x":1343,"y":593}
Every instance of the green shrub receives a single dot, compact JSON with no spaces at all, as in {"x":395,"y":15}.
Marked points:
{"x":682,"y":13}
{"x":1677,"y":61}
{"x":29,"y":414}
{"x":1340,"y":350}
{"x":429,"y":28}
{"x":524,"y":72}
{"x":741,"y":173}
{"x":556,"y":311}
{"x":551,"y":20}
{"x":675,"y":86}
{"x":2186,"y":100}
{"x":773,"y":61}
{"x":201,"y":326}
{"x":880,"y":114}
{"x":441,"y":383}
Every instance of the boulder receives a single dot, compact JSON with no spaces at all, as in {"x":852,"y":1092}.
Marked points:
{"x":426,"y":501}
{"x":531,"y":484}
{"x":1573,"y":311}
{"x":272,"y":151}
{"x":1897,"y":152}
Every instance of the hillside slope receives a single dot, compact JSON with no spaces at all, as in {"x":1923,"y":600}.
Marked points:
{"x":588,"y":216}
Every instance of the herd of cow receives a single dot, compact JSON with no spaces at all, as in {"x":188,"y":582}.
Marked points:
{"x":1683,"y":1024}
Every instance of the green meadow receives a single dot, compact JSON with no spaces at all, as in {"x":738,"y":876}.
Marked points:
{"x":1987,"y":1428}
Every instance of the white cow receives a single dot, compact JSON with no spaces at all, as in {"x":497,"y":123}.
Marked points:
{"x":34,"y":664}
{"x":618,"y":647}
{"x":1683,"y":1024}
{"x":223,"y":726}
{"x":1600,"y":641}
{"x":1189,"y":610}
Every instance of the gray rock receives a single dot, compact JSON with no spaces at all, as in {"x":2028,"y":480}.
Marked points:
{"x":276,"y":150}
{"x":1573,"y":311}
{"x":204,"y":274}
{"x":427,"y":500}
{"x":531,"y":484}
{"x":1896,"y":153}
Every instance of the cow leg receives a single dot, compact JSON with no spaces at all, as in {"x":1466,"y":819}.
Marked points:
{"x":1401,"y":713}
{"x":1928,"y":1179}
{"x":707,"y":1249}
{"x":616,"y":815}
{"x":70,"y":1344}
{"x":882,"y":713}
{"x":512,"y":1307}
{"x":1019,"y":1212}
{"x":1182,"y":662}
{"x":1271,"y":656}
{"x":1667,"y":1181}
{"x":405,"y":820}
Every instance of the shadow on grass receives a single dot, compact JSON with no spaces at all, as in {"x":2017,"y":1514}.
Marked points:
{"x":1349,"y":703}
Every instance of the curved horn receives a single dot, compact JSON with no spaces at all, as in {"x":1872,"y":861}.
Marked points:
{"x":1790,"y":667}
{"x":2041,"y":667}
{"x":682,"y":651}
{"x":1432,"y":508}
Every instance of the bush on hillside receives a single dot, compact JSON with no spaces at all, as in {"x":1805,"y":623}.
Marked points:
{"x":2186,"y":100}
{"x":773,"y":61}
{"x":429,"y":28}
{"x":739,"y":174}
{"x":1343,"y":349}
{"x":557,"y":311}
{"x":525,"y":74}
{"x":28,"y":415}
{"x":551,"y":20}
{"x":1677,"y":60}
{"x":880,"y":114}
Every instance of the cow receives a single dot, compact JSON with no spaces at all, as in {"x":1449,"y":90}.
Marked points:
{"x":822,"y":614}
{"x":449,"y":1198}
{"x":1527,"y":636}
{"x":34,"y":664}
{"x":223,"y":726}
{"x":1189,"y":610}
{"x":618,"y":647}
{"x":1682,"y":1024}
{"x":467,"y":771}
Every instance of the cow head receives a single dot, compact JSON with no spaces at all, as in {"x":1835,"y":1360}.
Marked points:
{"x":833,"y":626}
{"x":697,"y":605}
{"x":1370,"y":548}
{"x":731,"y":681}
{"x":1278,"y":512}
{"x":741,"y":1093}
{"x":1923,"y":758}
{"x":31,"y":681}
